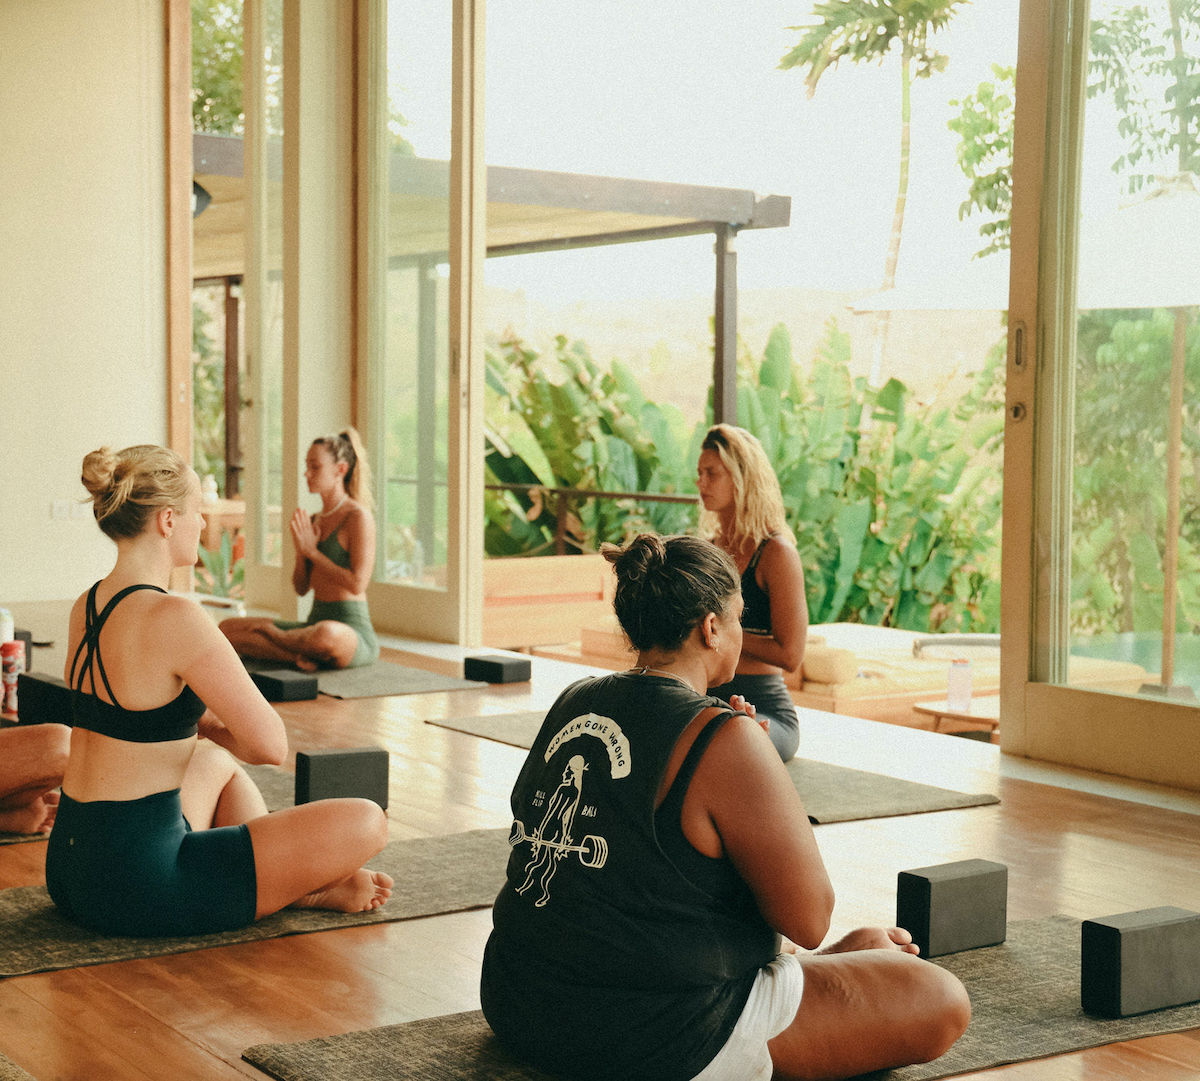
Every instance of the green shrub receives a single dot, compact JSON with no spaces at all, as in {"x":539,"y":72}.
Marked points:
{"x":895,"y":506}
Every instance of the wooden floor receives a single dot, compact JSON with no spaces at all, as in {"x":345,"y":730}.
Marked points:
{"x":190,"y":1015}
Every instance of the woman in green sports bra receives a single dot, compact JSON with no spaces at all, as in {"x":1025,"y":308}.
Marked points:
{"x":335,"y":552}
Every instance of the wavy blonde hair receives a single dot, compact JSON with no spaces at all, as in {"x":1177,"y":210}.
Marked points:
{"x":129,"y":487}
{"x":758,"y":501}
{"x":347,"y":446}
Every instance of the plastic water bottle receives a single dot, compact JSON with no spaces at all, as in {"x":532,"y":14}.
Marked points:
{"x":958,"y":688}
{"x":418,"y":561}
{"x":12,"y":664}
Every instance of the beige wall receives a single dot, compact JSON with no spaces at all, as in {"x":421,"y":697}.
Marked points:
{"x":82,"y":270}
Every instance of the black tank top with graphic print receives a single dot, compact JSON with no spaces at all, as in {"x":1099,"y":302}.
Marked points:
{"x":618,"y":950}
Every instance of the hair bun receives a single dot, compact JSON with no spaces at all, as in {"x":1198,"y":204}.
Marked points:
{"x":99,"y":472}
{"x":128,"y":486}
{"x":644,"y":555}
{"x":666,"y":585}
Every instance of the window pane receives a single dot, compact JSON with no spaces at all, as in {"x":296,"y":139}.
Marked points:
{"x":881,"y":420}
{"x":411,"y":410}
{"x":269,"y":535}
{"x":1135,"y":514}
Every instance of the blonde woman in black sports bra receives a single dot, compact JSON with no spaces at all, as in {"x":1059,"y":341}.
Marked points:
{"x":743,"y":515}
{"x":159,"y":831}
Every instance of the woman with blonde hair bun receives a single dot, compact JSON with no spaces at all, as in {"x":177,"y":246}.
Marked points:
{"x":335,"y":555}
{"x":743,"y":514}
{"x":159,"y":831}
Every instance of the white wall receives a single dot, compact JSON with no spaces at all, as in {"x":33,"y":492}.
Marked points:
{"x":82,"y":270}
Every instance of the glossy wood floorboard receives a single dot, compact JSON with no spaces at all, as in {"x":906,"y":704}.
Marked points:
{"x":189,"y":1016}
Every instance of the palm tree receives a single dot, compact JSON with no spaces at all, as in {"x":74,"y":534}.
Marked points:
{"x":863,"y":30}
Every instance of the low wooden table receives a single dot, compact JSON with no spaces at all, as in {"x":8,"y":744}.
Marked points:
{"x":982,"y":714}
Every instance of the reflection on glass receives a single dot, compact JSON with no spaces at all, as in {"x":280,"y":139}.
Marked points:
{"x":1135,"y":522}
{"x":412,"y":408}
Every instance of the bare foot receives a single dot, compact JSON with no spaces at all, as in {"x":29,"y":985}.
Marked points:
{"x":37,"y":816}
{"x":360,"y":892}
{"x":873,"y":938}
{"x":304,"y":664}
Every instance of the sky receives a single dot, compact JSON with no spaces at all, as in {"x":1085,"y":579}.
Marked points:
{"x":693,"y":94}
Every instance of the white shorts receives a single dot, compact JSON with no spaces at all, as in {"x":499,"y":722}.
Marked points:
{"x":771,"y":1007}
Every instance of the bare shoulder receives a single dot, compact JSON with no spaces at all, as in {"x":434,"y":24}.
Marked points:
{"x":359,"y":517}
{"x":77,"y":609}
{"x":782,"y":540}
{"x":171,"y":613}
{"x":780,"y":552}
{"x":738,"y":761}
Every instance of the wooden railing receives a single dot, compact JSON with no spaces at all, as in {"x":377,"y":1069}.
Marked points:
{"x":562,"y":499}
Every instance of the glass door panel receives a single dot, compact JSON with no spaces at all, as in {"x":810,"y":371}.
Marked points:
{"x":266,"y":529}
{"x":1134,"y":603}
{"x":1092,"y":542}
{"x":410,"y":404}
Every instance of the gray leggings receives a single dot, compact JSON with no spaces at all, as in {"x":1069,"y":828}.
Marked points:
{"x":768,"y":694}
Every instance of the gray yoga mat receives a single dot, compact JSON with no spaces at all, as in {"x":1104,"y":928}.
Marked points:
{"x":830,"y":793}
{"x":16,"y":839}
{"x":385,"y":678}
{"x":1024,"y":997}
{"x":434,"y":875}
{"x":10,"y":1071}
{"x":377,"y":680}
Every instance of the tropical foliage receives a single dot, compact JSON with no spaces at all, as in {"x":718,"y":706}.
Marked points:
{"x":217,"y":67}
{"x":984,"y":127}
{"x":894,"y":504}
{"x":560,"y":422}
{"x":208,"y":394}
{"x":1119,"y":516}
{"x":222,"y":570}
{"x":1152,"y":73}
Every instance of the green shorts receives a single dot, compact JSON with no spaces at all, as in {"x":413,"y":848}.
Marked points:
{"x":354,"y":614}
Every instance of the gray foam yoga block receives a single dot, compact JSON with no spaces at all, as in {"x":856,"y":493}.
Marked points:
{"x":285,"y":684}
{"x":493,"y":668}
{"x":43,"y":699}
{"x":1134,"y":962}
{"x":954,"y":906}
{"x":359,"y":771}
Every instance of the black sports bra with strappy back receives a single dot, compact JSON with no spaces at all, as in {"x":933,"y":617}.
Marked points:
{"x":176,"y":719}
{"x":756,"y":615}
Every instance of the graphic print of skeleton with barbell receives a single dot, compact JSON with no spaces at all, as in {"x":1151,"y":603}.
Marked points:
{"x":552,"y":840}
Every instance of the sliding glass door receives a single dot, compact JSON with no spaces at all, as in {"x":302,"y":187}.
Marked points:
{"x":1102,"y":655}
{"x":421,"y":242}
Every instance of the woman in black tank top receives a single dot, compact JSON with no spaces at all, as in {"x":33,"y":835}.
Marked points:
{"x":743,"y":513}
{"x":659,"y":850}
